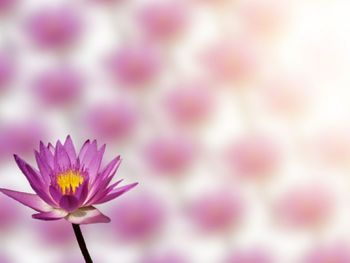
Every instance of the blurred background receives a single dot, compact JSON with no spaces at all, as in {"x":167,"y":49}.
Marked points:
{"x":233,"y":115}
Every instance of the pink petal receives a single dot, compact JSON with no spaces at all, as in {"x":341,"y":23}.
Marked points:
{"x":70,"y":149}
{"x":46,"y":155}
{"x":52,"y":215}
{"x":95,"y":163}
{"x":115,"y":193}
{"x":30,"y":200}
{"x":87,"y":153}
{"x":62,"y":160}
{"x":34,"y":180}
{"x":87,"y":215}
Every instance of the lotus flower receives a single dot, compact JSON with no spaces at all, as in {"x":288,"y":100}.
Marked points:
{"x":67,"y":185}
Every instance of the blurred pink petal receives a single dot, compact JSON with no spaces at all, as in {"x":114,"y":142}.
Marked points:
{"x":257,"y":255}
{"x":6,"y":6}
{"x":170,"y":155}
{"x":59,"y":86}
{"x":134,"y":65}
{"x":55,"y":232}
{"x":8,"y":215}
{"x":190,"y":103}
{"x":164,"y":19}
{"x":217,"y":211}
{"x":138,"y":218}
{"x":286,"y":96}
{"x":7,"y":70}
{"x":332,"y":147}
{"x":21,"y":137}
{"x":54,"y":28}
{"x":254,"y":156}
{"x":112,"y":121}
{"x":263,"y":17}
{"x":170,"y":257}
{"x":231,"y":61}
{"x":307,"y":206}
{"x":335,"y":253}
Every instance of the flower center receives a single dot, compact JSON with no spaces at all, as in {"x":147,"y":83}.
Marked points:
{"x":69,"y":180}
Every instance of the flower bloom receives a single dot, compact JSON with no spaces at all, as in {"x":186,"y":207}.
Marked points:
{"x":55,"y":232}
{"x":7,"y":70}
{"x":163,"y":20}
{"x":134,"y":65}
{"x":168,"y":257}
{"x":6,"y":6}
{"x":336,"y":253}
{"x":20,"y":136}
{"x":139,"y":218}
{"x":8,"y":215}
{"x":112,"y":121}
{"x":217,"y":211}
{"x":67,"y":185}
{"x":170,"y":155}
{"x":308,"y":206}
{"x":231,"y":61}
{"x":59,"y":86}
{"x":254,"y":157}
{"x":190,"y":103}
{"x":256,"y":255}
{"x":54,"y":28}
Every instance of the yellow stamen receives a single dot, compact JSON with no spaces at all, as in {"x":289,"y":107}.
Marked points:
{"x":69,"y":180}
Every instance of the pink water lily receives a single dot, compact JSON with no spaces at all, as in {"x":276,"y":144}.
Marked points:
{"x":68,"y":184}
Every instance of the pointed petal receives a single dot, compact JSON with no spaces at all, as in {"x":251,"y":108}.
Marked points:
{"x":101,"y":193}
{"x":55,"y":214}
{"x":87,"y":215}
{"x":95,"y":162}
{"x":44,"y":168}
{"x":83,"y":149}
{"x":70,"y":149}
{"x":62,"y":160}
{"x":115,"y":193}
{"x":34,"y":180}
{"x":31,"y":200}
{"x":111,"y":167}
{"x":89,"y":154}
{"x":46,"y":154}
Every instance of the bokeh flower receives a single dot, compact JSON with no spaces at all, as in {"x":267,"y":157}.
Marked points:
{"x":67,"y":185}
{"x":218,"y":211}
{"x":305,"y":207}
{"x":169,"y":257}
{"x":163,"y":20}
{"x":55,"y":232}
{"x":255,"y":255}
{"x":285,"y":95}
{"x":231,"y":61}
{"x":6,"y":6}
{"x":54,"y":28}
{"x":170,"y":155}
{"x":59,"y":86}
{"x":7,"y":70}
{"x":335,"y":253}
{"x":112,"y":121}
{"x":8,"y":215}
{"x":134,"y":65}
{"x":190,"y":103}
{"x":254,"y":156}
{"x":139,"y":218}
{"x":21,"y":137}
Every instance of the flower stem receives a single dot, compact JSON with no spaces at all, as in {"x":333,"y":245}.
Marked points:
{"x":81,"y":242}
